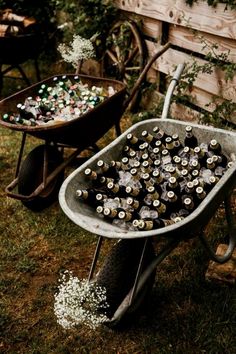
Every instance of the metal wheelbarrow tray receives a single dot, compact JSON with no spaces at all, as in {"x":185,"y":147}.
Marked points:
{"x":85,"y":216}
{"x":114,"y":275}
{"x":79,"y":132}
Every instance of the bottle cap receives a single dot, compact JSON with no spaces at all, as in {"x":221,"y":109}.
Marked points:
{"x":188,"y":129}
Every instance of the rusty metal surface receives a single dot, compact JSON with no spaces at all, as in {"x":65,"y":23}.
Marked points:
{"x":80,"y":132}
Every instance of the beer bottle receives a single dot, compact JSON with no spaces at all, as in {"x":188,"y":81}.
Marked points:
{"x":177,"y":144}
{"x":145,"y":167}
{"x":133,"y":203}
{"x":159,"y":144}
{"x":194,"y":165}
{"x":149,"y":138}
{"x":152,"y":194}
{"x":189,"y":188}
{"x":126,"y":150}
{"x":101,"y":197}
{"x":103,"y":181}
{"x":188,"y":204}
{"x":195,"y":173}
{"x":172,"y":202}
{"x":214,"y":147}
{"x":156,"y":163}
{"x":169,"y":143}
{"x":200,"y":194}
{"x":145,"y":180}
{"x":100,"y":210}
{"x":165,"y":157}
{"x":115,"y":188}
{"x":91,"y":175}
{"x":157,"y":176}
{"x":173,"y":185}
{"x":201,"y":155}
{"x":109,"y":170}
{"x":222,"y":160}
{"x":177,"y":162}
{"x":136,"y":192}
{"x":111,"y":213}
{"x":159,"y":134}
{"x":150,"y":224}
{"x":126,"y":215}
{"x":87,"y":195}
{"x":160,"y":207}
{"x":125,"y":163}
{"x":210,"y":164}
{"x":190,"y":139}
{"x":185,"y":152}
{"x":146,"y":157}
{"x":211,"y":183}
{"x":156,"y":153}
{"x":133,"y":141}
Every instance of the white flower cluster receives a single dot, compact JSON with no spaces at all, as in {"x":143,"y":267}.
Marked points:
{"x":79,"y":302}
{"x":79,"y":49}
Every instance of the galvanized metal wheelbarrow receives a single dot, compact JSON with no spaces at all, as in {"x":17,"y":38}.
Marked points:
{"x":129,"y":270}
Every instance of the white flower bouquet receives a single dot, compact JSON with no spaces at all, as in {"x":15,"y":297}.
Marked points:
{"x":79,"y":302}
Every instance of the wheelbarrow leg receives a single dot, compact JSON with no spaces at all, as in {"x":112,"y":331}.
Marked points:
{"x":20,"y":154}
{"x":36,"y":65}
{"x":95,"y":258}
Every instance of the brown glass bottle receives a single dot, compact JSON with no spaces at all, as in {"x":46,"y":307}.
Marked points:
{"x":190,"y":139}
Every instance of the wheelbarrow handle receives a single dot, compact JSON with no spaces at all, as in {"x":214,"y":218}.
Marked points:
{"x":144,"y":72}
{"x":170,"y":90}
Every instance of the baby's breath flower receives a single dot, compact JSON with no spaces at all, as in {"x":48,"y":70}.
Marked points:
{"x":79,"y":49}
{"x":79,"y":302}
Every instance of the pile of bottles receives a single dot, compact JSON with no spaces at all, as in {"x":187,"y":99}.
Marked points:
{"x":158,"y":181}
{"x":63,"y":100}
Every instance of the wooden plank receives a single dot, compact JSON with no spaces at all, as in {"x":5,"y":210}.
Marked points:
{"x":213,"y":83}
{"x":200,"y":16}
{"x":184,"y":113}
{"x":185,"y":38}
{"x":152,"y":28}
{"x":178,"y":111}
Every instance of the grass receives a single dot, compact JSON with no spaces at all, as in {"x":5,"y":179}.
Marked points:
{"x":185,"y":314}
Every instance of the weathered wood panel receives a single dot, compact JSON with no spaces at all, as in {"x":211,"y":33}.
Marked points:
{"x":214,"y":83}
{"x":189,"y":29}
{"x":186,"y":38}
{"x":217,"y":21}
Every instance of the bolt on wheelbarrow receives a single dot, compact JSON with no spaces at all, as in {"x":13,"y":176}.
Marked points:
{"x":40,"y":175}
{"x":128,"y":272}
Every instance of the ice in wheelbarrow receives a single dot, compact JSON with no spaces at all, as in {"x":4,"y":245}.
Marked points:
{"x":158,"y":181}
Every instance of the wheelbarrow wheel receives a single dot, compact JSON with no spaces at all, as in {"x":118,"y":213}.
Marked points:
{"x":125,"y":56}
{"x":31,"y":176}
{"x":118,"y":273}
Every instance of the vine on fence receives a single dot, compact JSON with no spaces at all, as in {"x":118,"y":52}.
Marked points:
{"x":228,"y":3}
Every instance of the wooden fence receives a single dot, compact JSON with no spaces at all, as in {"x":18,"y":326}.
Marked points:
{"x":176,"y":22}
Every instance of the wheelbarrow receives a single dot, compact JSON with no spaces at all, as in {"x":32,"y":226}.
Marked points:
{"x":40,"y":175}
{"x":128,"y":271}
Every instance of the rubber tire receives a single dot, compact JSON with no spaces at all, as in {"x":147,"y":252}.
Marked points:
{"x":118,"y":273}
{"x":31,"y":175}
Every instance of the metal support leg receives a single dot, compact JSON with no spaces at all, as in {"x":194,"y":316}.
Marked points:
{"x":95,"y":258}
